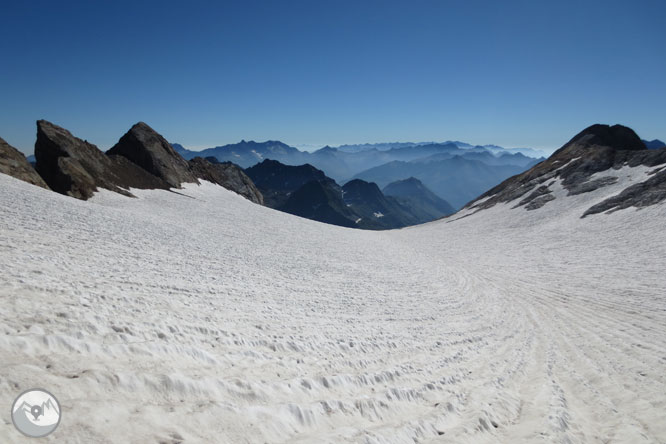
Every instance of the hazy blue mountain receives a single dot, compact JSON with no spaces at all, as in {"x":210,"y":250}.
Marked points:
{"x":418,"y":199}
{"x":246,"y":153}
{"x":529,"y":152}
{"x":654,"y":144}
{"x":355,"y":148}
{"x":187,"y":154}
{"x":517,"y":159}
{"x":456,"y":180}
{"x":344,"y":163}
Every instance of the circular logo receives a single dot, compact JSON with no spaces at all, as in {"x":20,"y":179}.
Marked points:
{"x":36,"y":413}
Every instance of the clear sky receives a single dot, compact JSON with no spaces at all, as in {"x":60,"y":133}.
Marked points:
{"x":514,"y":73}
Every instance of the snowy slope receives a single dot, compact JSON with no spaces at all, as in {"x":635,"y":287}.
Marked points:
{"x":201,"y":317}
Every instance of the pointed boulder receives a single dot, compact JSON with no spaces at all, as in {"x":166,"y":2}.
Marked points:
{"x":143,"y":146}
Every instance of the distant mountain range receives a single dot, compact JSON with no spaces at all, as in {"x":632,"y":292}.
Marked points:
{"x":420,"y":201}
{"x":384,"y":186}
{"x":455,"y":179}
{"x":530,"y":152}
{"x":654,"y":144}
{"x":455,"y":171}
{"x":307,"y":192}
{"x":345,"y":162}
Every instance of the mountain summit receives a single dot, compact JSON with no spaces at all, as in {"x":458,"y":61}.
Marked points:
{"x":143,"y":146}
{"x":588,"y":162}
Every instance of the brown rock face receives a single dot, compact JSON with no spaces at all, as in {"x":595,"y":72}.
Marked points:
{"x":227,"y":174}
{"x":14,"y":163}
{"x":77,"y":168}
{"x":147,"y":149}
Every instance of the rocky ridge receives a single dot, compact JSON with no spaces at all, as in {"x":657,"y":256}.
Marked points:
{"x":594,"y":150}
{"x":142,"y":159}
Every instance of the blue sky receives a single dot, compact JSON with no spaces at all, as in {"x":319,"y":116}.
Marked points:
{"x":513,"y":73}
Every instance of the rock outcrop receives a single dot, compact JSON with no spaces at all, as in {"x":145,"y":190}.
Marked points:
{"x":14,"y":163}
{"x":228,"y":175}
{"x":596,"y":149}
{"x":642,"y":194}
{"x":146,"y":148}
{"x":77,"y":168}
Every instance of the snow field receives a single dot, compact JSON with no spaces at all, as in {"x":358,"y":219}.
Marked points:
{"x":201,"y":317}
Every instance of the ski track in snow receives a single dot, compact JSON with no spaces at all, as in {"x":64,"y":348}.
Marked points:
{"x":171,"y":319}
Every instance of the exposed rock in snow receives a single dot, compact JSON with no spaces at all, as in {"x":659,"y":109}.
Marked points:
{"x":146,"y":148}
{"x":227,"y":174}
{"x":77,"y":168}
{"x":14,"y":163}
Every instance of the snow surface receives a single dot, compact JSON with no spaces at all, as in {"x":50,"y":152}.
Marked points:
{"x":198,"y":316}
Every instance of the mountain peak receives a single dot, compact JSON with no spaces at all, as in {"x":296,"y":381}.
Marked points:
{"x":146,"y":148}
{"x":596,"y":149}
{"x":617,"y":137}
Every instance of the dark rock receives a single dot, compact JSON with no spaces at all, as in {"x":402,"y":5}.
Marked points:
{"x":277,"y":181}
{"x":539,"y":192}
{"x":228,"y":175}
{"x":539,"y":202}
{"x":77,"y":168}
{"x":14,"y":163}
{"x":146,"y":148}
{"x":320,"y":201}
{"x":591,"y":185}
{"x":640,"y":195}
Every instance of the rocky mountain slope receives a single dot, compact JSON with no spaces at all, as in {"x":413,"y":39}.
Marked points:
{"x":322,"y":201}
{"x":372,"y":206}
{"x":593,"y":159}
{"x":277,"y":180}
